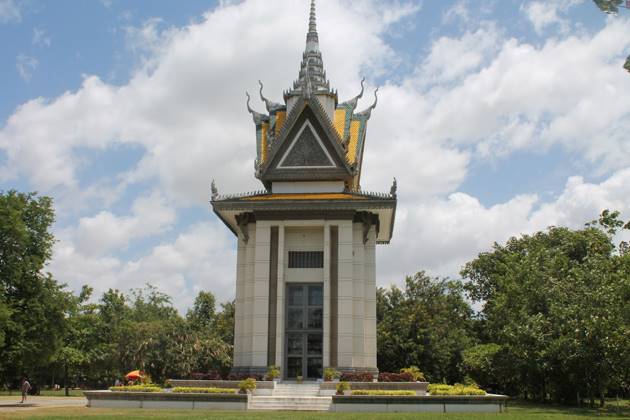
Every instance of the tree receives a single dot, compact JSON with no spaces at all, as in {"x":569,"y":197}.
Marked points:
{"x":428,"y":324}
{"x":612,"y":7}
{"x":31,"y":301}
{"x":202,"y":315}
{"x":556,"y":303}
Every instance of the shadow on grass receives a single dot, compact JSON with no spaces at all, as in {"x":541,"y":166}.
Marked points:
{"x":613,"y":408}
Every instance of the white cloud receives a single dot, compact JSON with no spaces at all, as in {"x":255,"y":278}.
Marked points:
{"x":10,"y":11}
{"x":441,"y":235}
{"x":201,"y":258}
{"x":26,"y":66}
{"x":545,"y":13}
{"x":41,"y":38}
{"x":106,"y":232}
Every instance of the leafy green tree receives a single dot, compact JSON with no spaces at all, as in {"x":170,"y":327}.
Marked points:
{"x":203,"y":314}
{"x":612,"y":7}
{"x":428,"y":324}
{"x":556,"y":303}
{"x":33,"y":303}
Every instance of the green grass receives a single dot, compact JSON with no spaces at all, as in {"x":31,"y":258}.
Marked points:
{"x":47,"y":393}
{"x":516,"y":411}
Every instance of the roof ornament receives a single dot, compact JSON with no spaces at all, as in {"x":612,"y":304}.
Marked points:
{"x":354,"y":101}
{"x":271,"y":106}
{"x":368,"y":112}
{"x":258,"y":117}
{"x":394,"y":189}
{"x":214,"y":191}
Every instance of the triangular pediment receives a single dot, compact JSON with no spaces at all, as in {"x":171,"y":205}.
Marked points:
{"x":308,"y":148}
{"x":306,"y":151}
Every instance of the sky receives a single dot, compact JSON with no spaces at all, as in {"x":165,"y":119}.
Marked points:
{"x":497,"y":118}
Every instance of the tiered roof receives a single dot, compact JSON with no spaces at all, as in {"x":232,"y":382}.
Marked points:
{"x":312,"y":88}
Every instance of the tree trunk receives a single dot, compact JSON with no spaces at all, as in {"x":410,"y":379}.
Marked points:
{"x":602,"y":400}
{"x":65,"y":379}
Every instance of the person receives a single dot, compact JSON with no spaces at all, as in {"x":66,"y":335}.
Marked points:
{"x":24,"y":387}
{"x":117,"y":382}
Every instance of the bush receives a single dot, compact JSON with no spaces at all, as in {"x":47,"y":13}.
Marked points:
{"x":395,"y":377}
{"x":331,"y":373}
{"x":414,"y":372}
{"x":457,"y":389}
{"x":273,"y":372}
{"x":342,"y":387}
{"x":382,"y":392}
{"x":357,"y":377}
{"x":210,"y":376}
{"x":243,"y":376}
{"x":193,"y":390}
{"x":136,"y":388}
{"x":248,"y":384}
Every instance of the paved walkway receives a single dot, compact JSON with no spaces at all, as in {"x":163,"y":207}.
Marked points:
{"x":12,"y":403}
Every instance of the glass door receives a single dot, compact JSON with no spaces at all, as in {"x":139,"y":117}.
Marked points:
{"x":304,"y":331}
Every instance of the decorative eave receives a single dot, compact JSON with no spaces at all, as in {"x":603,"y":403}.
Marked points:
{"x":232,"y":209}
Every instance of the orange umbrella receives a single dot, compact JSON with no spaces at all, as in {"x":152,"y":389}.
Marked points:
{"x":133,"y":375}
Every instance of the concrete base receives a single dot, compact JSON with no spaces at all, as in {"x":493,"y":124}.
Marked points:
{"x":420,"y":404}
{"x":166,"y":400}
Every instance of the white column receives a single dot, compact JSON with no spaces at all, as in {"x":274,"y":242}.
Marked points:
{"x":239,"y":315}
{"x":370,"y":300}
{"x":260,"y":303}
{"x":326,"y":320}
{"x":345,"y":292}
{"x":281,"y":304}
{"x":249,"y":295}
{"x":358,"y":358}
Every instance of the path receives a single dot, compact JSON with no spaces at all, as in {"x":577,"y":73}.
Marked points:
{"x":9,"y":404}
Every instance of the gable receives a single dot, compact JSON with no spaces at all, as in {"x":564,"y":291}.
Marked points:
{"x":306,"y":151}
{"x":308,"y":148}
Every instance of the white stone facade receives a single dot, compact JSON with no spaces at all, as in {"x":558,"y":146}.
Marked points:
{"x":355,"y":317}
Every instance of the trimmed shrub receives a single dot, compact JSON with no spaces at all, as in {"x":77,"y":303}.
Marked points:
{"x":357,"y":377}
{"x":457,"y":389}
{"x":414,"y":372}
{"x":245,"y":385}
{"x":382,"y":392}
{"x":342,"y":387}
{"x":395,"y":377}
{"x":273,"y":372}
{"x":330,"y":374}
{"x":136,"y":388}
{"x":243,"y":376}
{"x":193,"y":390}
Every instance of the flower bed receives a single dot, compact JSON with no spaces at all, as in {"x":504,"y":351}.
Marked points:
{"x":193,"y":390}
{"x":357,"y":377}
{"x":136,"y":388}
{"x":457,"y":389}
{"x":382,"y":393}
{"x":395,"y":377}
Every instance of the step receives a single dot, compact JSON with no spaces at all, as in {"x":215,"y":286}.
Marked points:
{"x":292,"y":403}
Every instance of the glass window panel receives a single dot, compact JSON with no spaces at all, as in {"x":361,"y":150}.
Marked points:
{"x":295,"y":319}
{"x":294,"y":343}
{"x":315,"y":296}
{"x":315,"y":316}
{"x":314,"y":367}
{"x":314,"y":344}
{"x":296,"y":295}
{"x":294,"y":367}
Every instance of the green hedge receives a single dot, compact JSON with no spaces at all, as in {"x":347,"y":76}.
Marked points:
{"x":381,"y":392}
{"x":457,"y":389}
{"x":136,"y":388}
{"x":193,"y":390}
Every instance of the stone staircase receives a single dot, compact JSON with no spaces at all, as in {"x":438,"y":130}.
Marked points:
{"x":291,"y":397}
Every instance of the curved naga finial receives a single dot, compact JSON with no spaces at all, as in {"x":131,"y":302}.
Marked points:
{"x":368,"y":112}
{"x":354,"y":101}
{"x":258,"y":117}
{"x":394,"y":189}
{"x":214,"y":191}
{"x":271,"y":106}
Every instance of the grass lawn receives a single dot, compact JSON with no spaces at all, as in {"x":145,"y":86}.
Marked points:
{"x":516,"y":411}
{"x":46,"y":393}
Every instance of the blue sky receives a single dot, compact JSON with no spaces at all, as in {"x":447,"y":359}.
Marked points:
{"x":496,"y":117}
